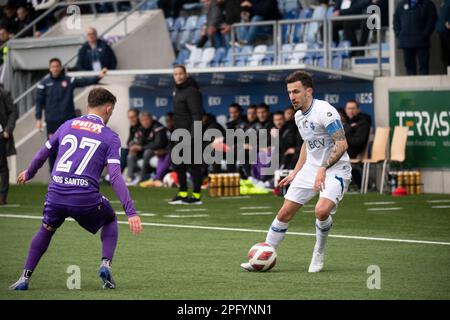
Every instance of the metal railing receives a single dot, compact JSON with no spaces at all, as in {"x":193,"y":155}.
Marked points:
{"x":355,"y":48}
{"x":92,"y":2}
{"x":272,"y":23}
{"x":326,"y":29}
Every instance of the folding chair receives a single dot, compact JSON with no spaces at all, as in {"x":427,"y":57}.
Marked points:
{"x":378,"y":154}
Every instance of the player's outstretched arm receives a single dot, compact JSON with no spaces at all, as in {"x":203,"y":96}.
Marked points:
{"x":301,"y":161}
{"x":37,"y":162}
{"x":121,"y":190}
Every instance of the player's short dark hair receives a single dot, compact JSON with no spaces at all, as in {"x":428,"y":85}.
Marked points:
{"x":353,"y":101}
{"x":99,"y":97}
{"x":180,"y":66}
{"x":304,"y":77}
{"x":262,"y":105}
{"x":55,"y":60}
{"x":235,"y":105}
{"x":252,"y":106}
{"x":169,"y":114}
{"x":134,"y":110}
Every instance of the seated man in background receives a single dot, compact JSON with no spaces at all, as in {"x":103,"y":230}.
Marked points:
{"x":289,"y":114}
{"x":237,"y":119}
{"x":357,"y":131}
{"x":150,"y":137}
{"x":289,"y":139}
{"x":163,"y":156}
{"x":133,"y":119}
{"x":263,"y":158}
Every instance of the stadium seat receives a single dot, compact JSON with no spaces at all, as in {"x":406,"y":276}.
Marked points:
{"x":169,"y":24}
{"x":398,"y":150}
{"x":194,"y":58}
{"x":298,"y":53}
{"x":242,"y":59}
{"x":269,"y":57}
{"x":258,"y":55}
{"x":337,"y":63}
{"x":297,"y":34}
{"x":312,"y":29}
{"x":219,"y":55}
{"x":187,"y":31}
{"x":177,"y":26}
{"x":330,"y":12}
{"x":290,"y":5}
{"x":286,"y":52}
{"x":183,"y":55}
{"x":378,"y":154}
{"x":208,"y":55}
{"x":226,"y":61}
{"x":345,"y":53}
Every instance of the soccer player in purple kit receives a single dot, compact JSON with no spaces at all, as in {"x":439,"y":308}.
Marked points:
{"x":85,"y":145}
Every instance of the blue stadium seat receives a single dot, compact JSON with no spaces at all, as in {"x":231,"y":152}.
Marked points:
{"x":226,"y":61}
{"x":169,"y":24}
{"x":345,"y":53}
{"x":312,"y":29}
{"x":286,"y":52}
{"x":183,"y":55}
{"x":297,"y":35}
{"x":218,"y":57}
{"x":269,"y":57}
{"x":177,"y":26}
{"x":337,"y":62}
{"x":241,"y":60}
{"x":330,"y":12}
{"x":297,"y":55}
{"x":208,"y":55}
{"x":187,"y":31}
{"x":258,"y":55}
{"x":198,"y":29}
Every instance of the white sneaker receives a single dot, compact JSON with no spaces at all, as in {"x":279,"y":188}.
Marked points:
{"x":247,"y":267}
{"x":133,"y":183}
{"x":316,"y":262}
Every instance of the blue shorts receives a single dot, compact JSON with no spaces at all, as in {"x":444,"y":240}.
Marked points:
{"x":91,"y":218}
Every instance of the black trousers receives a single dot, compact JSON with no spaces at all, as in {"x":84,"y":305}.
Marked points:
{"x":4,"y":171}
{"x":195,"y":170}
{"x":445,"y":50}
{"x":410,"y":56}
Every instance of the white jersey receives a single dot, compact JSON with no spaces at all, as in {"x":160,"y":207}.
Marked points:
{"x":313,"y":128}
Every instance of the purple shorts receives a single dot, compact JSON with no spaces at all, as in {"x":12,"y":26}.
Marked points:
{"x":91,"y":218}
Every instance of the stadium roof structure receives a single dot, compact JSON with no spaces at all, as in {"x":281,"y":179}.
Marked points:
{"x":227,"y":76}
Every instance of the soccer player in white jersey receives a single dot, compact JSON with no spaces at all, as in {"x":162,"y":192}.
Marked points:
{"x":323,"y":166}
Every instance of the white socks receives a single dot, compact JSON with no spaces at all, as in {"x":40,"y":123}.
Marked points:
{"x":322,"y":230}
{"x":276,"y":233}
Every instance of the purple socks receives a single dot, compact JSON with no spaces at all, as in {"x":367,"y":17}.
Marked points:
{"x":109,"y":237}
{"x":38,"y":246}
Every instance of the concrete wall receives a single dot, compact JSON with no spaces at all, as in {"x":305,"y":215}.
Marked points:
{"x":435,"y":181}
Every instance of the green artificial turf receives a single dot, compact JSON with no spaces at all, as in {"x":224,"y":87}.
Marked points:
{"x":170,"y":262}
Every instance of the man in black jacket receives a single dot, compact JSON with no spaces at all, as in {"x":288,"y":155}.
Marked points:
{"x":8,"y":117}
{"x":54,"y":95}
{"x":95,"y":54}
{"x":187,"y":109}
{"x":289,"y":139}
{"x":149,"y":137}
{"x":357,"y":131}
{"x":414,"y":22}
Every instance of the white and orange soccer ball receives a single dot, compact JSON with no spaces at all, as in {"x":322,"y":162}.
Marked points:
{"x":262,"y":256}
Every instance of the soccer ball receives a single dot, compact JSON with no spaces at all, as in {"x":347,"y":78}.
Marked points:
{"x":262,"y":256}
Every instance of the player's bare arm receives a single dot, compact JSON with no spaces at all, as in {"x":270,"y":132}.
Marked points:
{"x":301,"y":161}
{"x":340,"y":146}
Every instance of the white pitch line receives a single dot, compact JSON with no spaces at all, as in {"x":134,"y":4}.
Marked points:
{"x":189,"y":210}
{"x":182,"y":226}
{"x":142,"y":214}
{"x":255,"y":213}
{"x":438,"y":201}
{"x":384,"y":209}
{"x":186,"y":216}
{"x":249,"y":208}
{"x":376,"y":203}
{"x":440,"y":207}
{"x":10,"y":206}
{"x":308,"y":211}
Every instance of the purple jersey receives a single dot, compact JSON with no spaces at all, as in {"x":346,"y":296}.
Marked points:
{"x":85,"y":145}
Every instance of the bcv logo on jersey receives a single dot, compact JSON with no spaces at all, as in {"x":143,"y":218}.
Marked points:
{"x":316,"y":144}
